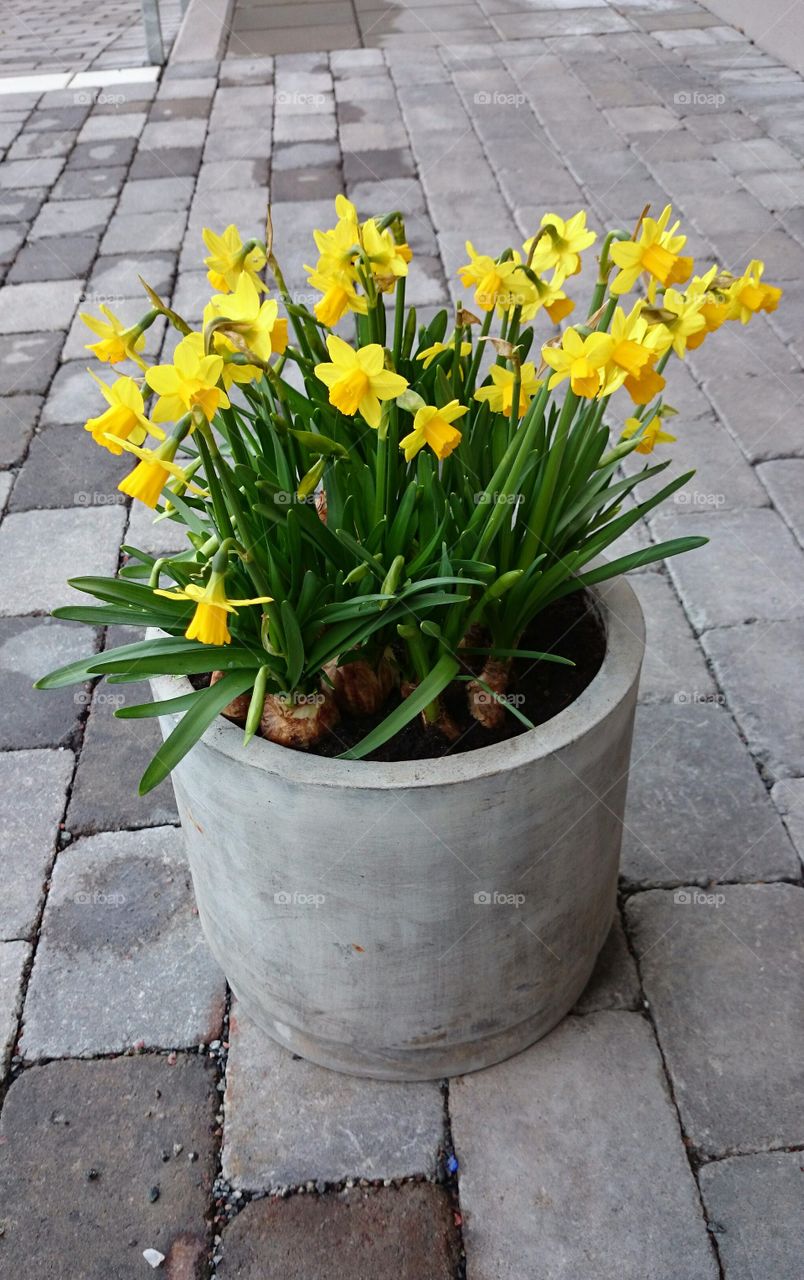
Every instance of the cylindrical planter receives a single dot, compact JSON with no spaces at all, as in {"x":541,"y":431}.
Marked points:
{"x":413,"y":920}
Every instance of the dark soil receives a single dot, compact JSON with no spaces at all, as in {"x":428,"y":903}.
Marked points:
{"x":569,"y":627}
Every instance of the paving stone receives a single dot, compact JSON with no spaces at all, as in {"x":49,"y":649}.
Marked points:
{"x":406,"y":1232}
{"x":750,"y":569}
{"x":159,"y":231}
{"x":614,"y":983}
{"x":755,"y":1204}
{"x":126,"y":124}
{"x":681,"y":829}
{"x":788,"y":796}
{"x":21,"y":206}
{"x":117,"y":275}
{"x":156,"y":537}
{"x":114,"y":757}
{"x":178,"y":109}
{"x":306,"y":184}
{"x":121,"y":958}
{"x":159,"y":193}
{"x":722,"y":973}
{"x":17,"y":417}
{"x":160,"y":134}
{"x":173,"y":162}
{"x":119,"y":1118}
{"x":65,"y":469}
{"x":29,"y":649}
{"x":723,"y":479}
{"x":90,"y":184}
{"x":41,"y":145}
{"x":674,"y":666}
{"x":16,"y":174}
{"x":577,"y":1098}
{"x":33,"y":791}
{"x":764,"y":418}
{"x":40,"y":550}
{"x":32,"y":308}
{"x":758,"y":667}
{"x":784,"y":480}
{"x":71,"y":217}
{"x":66,"y":258}
{"x":73,"y":396}
{"x":223,"y":175}
{"x":349,"y":1127}
{"x":297,"y":155}
{"x":13,"y":959}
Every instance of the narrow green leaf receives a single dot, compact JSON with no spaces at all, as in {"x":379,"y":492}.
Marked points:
{"x":207,"y":704}
{"x":442,"y":674}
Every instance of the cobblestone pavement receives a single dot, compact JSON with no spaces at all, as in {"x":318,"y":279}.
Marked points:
{"x":658,"y":1131}
{"x":71,"y":35}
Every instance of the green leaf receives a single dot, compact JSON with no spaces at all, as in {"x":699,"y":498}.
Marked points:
{"x":149,"y":710}
{"x":434,"y":683}
{"x":294,"y":643}
{"x":207,"y":704}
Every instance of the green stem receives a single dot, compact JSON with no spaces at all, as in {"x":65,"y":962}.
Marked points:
{"x":471,"y":377}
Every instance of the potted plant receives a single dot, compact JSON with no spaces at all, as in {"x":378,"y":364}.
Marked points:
{"x":395,"y":677}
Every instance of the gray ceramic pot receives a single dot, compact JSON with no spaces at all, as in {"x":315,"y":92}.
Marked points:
{"x":415,"y":920}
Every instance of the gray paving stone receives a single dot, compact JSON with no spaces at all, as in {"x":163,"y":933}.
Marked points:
{"x":17,"y":417}
{"x":73,"y":396}
{"x":105,"y":154}
{"x":121,"y":957}
{"x":16,"y":174}
{"x":759,"y":669}
{"x":723,"y":479}
{"x":764,"y":418}
{"x":223,"y":175}
{"x":173,"y":162}
{"x":125,"y":124}
{"x":117,"y":275}
{"x":157,"y":194}
{"x":64,"y":468}
{"x":29,"y":649}
{"x":20,"y":206}
{"x":755,"y":1205}
{"x":114,"y":757}
{"x":348,"y":1127}
{"x":37,"y":307}
{"x":40,"y":550}
{"x":160,"y":231}
{"x":71,"y":217}
{"x":90,"y":184}
{"x":13,"y":959}
{"x":750,"y":569}
{"x":174,"y":133}
{"x":788,"y":796}
{"x":41,"y":145}
{"x":722,"y":973}
{"x":674,"y":666}
{"x":679,"y":828}
{"x":66,"y":258}
{"x":244,"y":144}
{"x":119,"y":1118}
{"x":296,"y":155}
{"x":614,"y":983}
{"x":178,"y":109}
{"x":33,"y":791}
{"x":546,"y":1139}
{"x":157,"y":537}
{"x":784,"y":480}
{"x":407,"y":1232}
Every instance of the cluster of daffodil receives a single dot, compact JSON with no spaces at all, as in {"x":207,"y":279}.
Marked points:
{"x":371,"y":518}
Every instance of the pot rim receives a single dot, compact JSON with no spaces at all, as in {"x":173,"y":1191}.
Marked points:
{"x":619,"y":671}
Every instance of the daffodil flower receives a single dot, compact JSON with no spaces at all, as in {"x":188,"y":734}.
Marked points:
{"x":389,"y":260}
{"x":433,"y":427}
{"x":492,"y":279}
{"x":438,"y":348}
{"x":652,"y":433}
{"x":340,"y":295}
{"x":500,"y":395}
{"x":190,"y":382}
{"x":229,"y":260}
{"x":561,"y":244}
{"x":118,"y":342}
{"x":748,"y":294}
{"x":124,"y":419}
{"x":680,"y":318}
{"x":209,"y":623}
{"x":358,"y":380}
{"x":152,"y":472}
{"x":583,"y":361}
{"x":656,"y":254}
{"x":256,"y":321}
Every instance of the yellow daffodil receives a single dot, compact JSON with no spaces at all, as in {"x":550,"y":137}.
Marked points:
{"x":656,"y":254}
{"x":118,"y":342}
{"x":680,"y":318}
{"x":748,"y":294}
{"x":583,"y":361}
{"x":340,"y":295}
{"x":715,"y":304}
{"x":358,"y":380}
{"x":339,"y":246}
{"x":152,"y":472}
{"x":492,"y":279}
{"x":438,"y":348}
{"x":190,"y":382}
{"x":229,"y":260}
{"x":560,"y":244}
{"x":389,"y":260}
{"x":500,"y":395}
{"x":434,"y":427}
{"x":549,"y":296}
{"x":652,"y":433}
{"x":209,"y":623}
{"x":125,"y":417}
{"x":632,"y":356}
{"x":256,"y":322}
